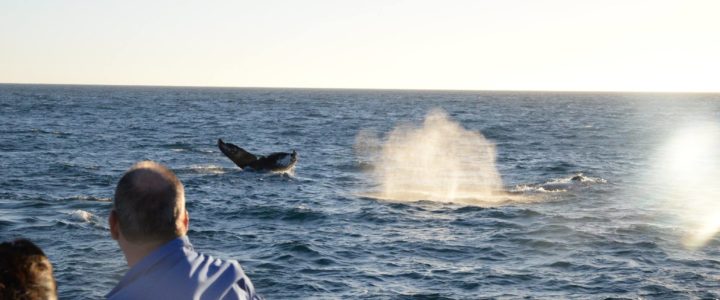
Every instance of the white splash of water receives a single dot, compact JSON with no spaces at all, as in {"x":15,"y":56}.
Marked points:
{"x":438,"y":161}
{"x":82,"y":215}
{"x":558,"y":185}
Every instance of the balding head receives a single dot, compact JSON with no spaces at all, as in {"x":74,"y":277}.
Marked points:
{"x":149,"y":201}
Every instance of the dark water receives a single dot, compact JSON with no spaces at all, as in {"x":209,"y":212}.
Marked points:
{"x":63,"y":148}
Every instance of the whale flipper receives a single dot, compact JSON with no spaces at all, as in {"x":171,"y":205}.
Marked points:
{"x":275,"y":162}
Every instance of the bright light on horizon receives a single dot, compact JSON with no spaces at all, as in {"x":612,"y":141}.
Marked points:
{"x":613,"y":45}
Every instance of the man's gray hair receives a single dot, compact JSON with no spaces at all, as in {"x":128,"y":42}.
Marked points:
{"x":148,"y":200}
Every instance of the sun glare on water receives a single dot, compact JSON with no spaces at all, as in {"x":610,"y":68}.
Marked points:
{"x":688,"y":169}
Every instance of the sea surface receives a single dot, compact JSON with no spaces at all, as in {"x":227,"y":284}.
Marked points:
{"x":618,"y":190}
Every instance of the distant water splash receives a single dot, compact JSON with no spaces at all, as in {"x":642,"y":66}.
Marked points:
{"x":438,"y":161}
{"x":289,"y":172}
{"x":559,"y":185}
{"x":82,"y":216}
{"x":686,"y":171}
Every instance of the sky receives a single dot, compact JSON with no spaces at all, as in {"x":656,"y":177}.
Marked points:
{"x":572,"y":45}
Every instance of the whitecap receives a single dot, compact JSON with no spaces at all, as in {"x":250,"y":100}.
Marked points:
{"x":207,"y":169}
{"x":525,"y":188}
{"x":559,"y":185}
{"x":91,"y":198}
{"x":81,"y":215}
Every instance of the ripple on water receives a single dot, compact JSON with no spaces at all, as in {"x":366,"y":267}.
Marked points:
{"x":5,"y":223}
{"x":372,"y":216}
{"x":298,"y":248}
{"x":491,"y":223}
{"x":525,"y":214}
{"x":324,"y":262}
{"x":298,"y":214}
{"x":90,"y":198}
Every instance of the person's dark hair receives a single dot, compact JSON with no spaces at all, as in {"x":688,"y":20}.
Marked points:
{"x":25,"y":272}
{"x":148,"y":202}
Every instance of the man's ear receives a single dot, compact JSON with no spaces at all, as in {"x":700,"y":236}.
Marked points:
{"x":186,"y":221}
{"x":114,"y":225}
{"x":182,"y":223}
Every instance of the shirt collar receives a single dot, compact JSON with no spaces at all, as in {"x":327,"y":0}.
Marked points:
{"x":151,"y":259}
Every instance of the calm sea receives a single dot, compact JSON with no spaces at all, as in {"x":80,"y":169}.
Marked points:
{"x":638,"y":221}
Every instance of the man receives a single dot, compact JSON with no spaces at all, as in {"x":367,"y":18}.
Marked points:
{"x":25,"y":272}
{"x":149,"y":222}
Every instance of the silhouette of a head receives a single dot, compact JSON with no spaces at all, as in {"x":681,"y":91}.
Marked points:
{"x":25,"y":272}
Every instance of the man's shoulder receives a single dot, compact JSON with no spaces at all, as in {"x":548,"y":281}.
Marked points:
{"x":224,"y":278}
{"x":200,"y":258}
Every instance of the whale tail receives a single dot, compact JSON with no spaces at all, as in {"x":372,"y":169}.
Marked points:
{"x":238,"y":155}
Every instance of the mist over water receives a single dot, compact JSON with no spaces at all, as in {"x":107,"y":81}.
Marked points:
{"x":438,"y":161}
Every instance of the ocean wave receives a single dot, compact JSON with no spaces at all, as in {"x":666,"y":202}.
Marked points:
{"x":300,"y":214}
{"x":90,"y":198}
{"x":534,"y":188}
{"x":207,"y":169}
{"x":50,"y":132}
{"x":297,"y":248}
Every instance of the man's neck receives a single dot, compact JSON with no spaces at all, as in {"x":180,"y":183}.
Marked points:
{"x":135,"y":252}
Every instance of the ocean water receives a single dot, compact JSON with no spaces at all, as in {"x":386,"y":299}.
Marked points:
{"x":638,"y":221}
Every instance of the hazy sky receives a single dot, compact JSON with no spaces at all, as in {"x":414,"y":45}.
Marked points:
{"x":652,"y":45}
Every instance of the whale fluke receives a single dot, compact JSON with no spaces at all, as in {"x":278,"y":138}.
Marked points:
{"x":275,"y":162}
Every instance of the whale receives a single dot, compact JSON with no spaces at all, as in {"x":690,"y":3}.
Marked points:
{"x":274,"y":162}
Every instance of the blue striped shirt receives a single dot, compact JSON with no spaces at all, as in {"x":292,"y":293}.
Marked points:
{"x":176,"y":271}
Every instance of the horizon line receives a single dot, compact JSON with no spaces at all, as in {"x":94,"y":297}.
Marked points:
{"x":368,"y":89}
